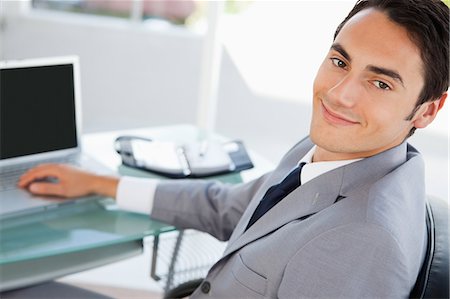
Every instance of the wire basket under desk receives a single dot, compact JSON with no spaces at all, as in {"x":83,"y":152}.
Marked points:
{"x":182,"y":256}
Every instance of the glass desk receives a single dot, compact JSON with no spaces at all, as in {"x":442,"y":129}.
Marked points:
{"x":70,"y":239}
{"x":80,"y":236}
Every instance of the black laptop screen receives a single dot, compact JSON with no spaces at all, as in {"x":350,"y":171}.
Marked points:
{"x":37,"y":110}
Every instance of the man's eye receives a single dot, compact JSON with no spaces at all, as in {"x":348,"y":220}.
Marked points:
{"x":382,"y":85}
{"x":339,"y":63}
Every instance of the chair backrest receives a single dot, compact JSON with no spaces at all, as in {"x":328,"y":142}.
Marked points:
{"x":433,"y":278}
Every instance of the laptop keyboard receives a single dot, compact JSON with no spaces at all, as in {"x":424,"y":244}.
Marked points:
{"x":9,"y":175}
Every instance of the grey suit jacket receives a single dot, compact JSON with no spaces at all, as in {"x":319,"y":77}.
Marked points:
{"x":354,"y":232}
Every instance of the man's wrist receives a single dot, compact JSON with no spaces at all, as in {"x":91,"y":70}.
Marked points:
{"x":105,"y":185}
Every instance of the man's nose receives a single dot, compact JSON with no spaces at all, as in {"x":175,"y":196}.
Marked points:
{"x":345,"y":91}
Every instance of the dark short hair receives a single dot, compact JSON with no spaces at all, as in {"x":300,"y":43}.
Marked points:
{"x":427,"y":23}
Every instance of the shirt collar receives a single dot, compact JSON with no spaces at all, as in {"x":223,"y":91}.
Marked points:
{"x":313,"y":169}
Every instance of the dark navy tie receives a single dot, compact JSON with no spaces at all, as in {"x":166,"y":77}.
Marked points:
{"x":276,"y":193}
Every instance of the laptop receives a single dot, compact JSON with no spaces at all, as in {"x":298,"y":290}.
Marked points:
{"x":40,"y":122}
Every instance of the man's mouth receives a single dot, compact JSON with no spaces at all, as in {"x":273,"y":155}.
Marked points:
{"x":335,"y":118}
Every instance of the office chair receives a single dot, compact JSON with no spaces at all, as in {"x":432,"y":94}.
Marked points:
{"x":433,"y":278}
{"x":183,"y":290}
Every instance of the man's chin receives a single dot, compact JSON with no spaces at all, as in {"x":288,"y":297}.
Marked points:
{"x":333,"y":145}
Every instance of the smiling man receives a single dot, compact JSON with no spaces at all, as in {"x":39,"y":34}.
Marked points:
{"x":343,"y":214}
{"x":367,"y":88}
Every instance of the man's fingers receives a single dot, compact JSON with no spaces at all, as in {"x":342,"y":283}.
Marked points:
{"x":46,"y":188}
{"x":43,"y":167}
{"x":39,"y":172}
{"x":55,"y":179}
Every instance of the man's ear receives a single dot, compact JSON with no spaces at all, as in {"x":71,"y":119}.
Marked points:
{"x":428,"y":111}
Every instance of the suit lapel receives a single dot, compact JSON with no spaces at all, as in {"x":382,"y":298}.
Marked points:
{"x":315,"y":195}
{"x":309,"y":198}
{"x":286,"y":164}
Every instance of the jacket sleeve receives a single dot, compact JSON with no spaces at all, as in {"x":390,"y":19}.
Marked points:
{"x":351,"y":261}
{"x":208,"y":206}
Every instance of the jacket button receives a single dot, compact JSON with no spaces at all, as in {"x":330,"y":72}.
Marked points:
{"x":206,"y":287}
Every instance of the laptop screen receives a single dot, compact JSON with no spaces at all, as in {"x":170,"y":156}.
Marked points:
{"x":37,"y":110}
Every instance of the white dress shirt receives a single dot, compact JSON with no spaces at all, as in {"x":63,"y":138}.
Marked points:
{"x":137,"y":194}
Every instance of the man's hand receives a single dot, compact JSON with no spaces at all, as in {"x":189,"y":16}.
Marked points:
{"x":66,"y":181}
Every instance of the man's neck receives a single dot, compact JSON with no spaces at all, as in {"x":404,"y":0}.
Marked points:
{"x":322,"y":155}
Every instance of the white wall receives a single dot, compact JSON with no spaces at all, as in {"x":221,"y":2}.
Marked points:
{"x":134,"y":76}
{"x":130,"y":77}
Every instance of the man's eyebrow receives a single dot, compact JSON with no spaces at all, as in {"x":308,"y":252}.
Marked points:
{"x":338,"y":48}
{"x":383,"y":71}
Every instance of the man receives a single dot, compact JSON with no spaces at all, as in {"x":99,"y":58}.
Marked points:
{"x":355,"y":227}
